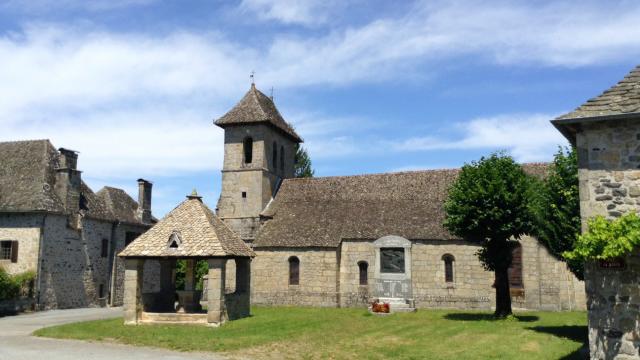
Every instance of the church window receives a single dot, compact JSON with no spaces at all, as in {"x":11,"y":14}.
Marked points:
{"x":101,"y":291}
{"x":9,"y":251}
{"x":392,"y":260}
{"x":247,"y":145}
{"x":274,"y":157}
{"x":244,"y":194}
{"x":448,"y":260}
{"x":363,"y":267}
{"x":105,"y":248}
{"x":294,"y":271}
{"x":515,"y":270}
{"x":282,"y":158}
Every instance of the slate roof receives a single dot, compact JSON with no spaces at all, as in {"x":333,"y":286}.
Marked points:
{"x":321,"y":212}
{"x":201,"y":232}
{"x":256,"y":107}
{"x":622,"y":98}
{"x":28,"y":178}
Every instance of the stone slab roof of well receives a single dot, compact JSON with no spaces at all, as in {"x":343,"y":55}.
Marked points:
{"x":622,"y":98}
{"x":201,"y":234}
{"x":321,"y":212}
{"x":256,"y":107}
{"x":28,"y":178}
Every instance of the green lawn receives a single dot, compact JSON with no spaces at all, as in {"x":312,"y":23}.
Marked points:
{"x":316,"y":333}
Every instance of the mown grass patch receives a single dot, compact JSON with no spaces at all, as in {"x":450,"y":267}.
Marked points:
{"x":319,"y":333}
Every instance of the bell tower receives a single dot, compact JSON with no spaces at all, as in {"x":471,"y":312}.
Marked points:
{"x":259,"y":152}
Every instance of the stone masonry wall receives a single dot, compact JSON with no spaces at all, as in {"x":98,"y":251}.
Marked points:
{"x":24,"y":228}
{"x":609,"y":174}
{"x":318,"y":277}
{"x":352,"y":294}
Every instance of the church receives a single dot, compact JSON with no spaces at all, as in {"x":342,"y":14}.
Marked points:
{"x":342,"y":241}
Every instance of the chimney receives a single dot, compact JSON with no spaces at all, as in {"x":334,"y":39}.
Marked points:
{"x":144,"y":200}
{"x":68,"y":180}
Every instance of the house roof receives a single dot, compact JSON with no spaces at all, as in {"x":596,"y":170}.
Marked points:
{"x":119,"y":205}
{"x":200,"y":232}
{"x":28,"y":178}
{"x":321,"y":212}
{"x":256,"y":107}
{"x":621,"y":101}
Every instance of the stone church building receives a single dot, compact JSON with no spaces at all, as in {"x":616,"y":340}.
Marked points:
{"x":341,"y":241}
{"x":53,"y":224}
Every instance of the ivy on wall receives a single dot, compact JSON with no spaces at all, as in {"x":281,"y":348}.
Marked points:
{"x":607,"y":239}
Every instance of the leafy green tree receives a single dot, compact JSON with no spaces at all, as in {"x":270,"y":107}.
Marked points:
{"x":487,"y":204}
{"x":302,"y":165}
{"x":555,"y":205}
{"x":201,"y":269}
{"x":607,"y":239}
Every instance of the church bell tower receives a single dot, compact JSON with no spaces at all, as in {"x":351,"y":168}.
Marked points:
{"x":259,"y":152}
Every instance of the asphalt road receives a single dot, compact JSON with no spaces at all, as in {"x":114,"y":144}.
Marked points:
{"x":16,"y":342}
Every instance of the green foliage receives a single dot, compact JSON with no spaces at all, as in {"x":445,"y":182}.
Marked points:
{"x":555,"y":208}
{"x":607,"y":239}
{"x":488,"y":204}
{"x":302,"y":164}
{"x":202,"y":268}
{"x":352,"y":333}
{"x":15,"y":286}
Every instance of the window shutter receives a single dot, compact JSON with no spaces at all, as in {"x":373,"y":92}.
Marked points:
{"x":14,"y":251}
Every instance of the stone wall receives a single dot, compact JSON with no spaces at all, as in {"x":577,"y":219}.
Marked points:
{"x":318,"y":277}
{"x":548,"y":284}
{"x":26,"y":229}
{"x":609,"y":163}
{"x":117,"y":280}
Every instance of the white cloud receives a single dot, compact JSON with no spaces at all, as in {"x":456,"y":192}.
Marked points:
{"x":528,"y":137}
{"x":300,"y":12}
{"x":44,"y":6}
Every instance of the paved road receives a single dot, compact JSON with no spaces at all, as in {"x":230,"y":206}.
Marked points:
{"x":16,"y":342}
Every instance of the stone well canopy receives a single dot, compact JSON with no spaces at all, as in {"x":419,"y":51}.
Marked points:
{"x":191,"y":230}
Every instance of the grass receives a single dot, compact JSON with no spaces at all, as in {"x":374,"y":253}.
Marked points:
{"x":317,"y":333}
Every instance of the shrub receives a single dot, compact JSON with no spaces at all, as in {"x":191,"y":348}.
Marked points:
{"x":15,"y":286}
{"x":607,"y":239}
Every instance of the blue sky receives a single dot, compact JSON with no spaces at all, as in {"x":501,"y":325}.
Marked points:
{"x":372,"y":86}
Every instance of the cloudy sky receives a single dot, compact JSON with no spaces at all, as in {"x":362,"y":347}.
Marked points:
{"x":372,"y":86}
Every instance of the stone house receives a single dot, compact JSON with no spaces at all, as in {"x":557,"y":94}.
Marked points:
{"x":53,"y":224}
{"x":606,"y":133}
{"x":341,"y":241}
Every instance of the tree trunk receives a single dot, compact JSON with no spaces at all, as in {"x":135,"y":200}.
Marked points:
{"x":503,"y":296}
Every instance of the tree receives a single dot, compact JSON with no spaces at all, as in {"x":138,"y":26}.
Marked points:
{"x":487,"y":204}
{"x":555,"y":207}
{"x":302,"y":165}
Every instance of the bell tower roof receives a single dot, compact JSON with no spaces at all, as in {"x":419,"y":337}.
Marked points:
{"x":255,"y":107}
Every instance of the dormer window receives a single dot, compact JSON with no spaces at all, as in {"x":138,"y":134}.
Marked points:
{"x":247,"y":146}
{"x":175,"y":240}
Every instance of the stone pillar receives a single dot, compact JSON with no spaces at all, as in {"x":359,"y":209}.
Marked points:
{"x":215,"y":292}
{"x":132,"y":302}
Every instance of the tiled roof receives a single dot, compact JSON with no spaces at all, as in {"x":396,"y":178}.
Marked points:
{"x":200,"y":231}
{"x":256,"y":107}
{"x":28,"y":178}
{"x":320,"y":212}
{"x":622,"y":98}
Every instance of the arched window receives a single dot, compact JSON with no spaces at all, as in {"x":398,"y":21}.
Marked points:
{"x":247,"y":146}
{"x":294,"y":271}
{"x":448,"y":260}
{"x":274,"y":158}
{"x":282,"y":158}
{"x":363,"y":267}
{"x":515,"y":270}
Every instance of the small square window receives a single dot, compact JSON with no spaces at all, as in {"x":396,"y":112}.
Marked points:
{"x":5,"y":250}
{"x":244,"y":194}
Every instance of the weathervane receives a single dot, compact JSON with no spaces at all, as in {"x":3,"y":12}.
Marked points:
{"x":271,"y":93}
{"x":252,"y":77}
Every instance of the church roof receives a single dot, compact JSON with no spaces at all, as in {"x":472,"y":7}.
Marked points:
{"x":321,"y":212}
{"x":256,"y":107}
{"x":28,"y":178}
{"x":621,"y":101}
{"x":197,"y":231}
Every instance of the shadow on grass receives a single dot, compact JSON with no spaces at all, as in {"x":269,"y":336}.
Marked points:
{"x":486,"y":317}
{"x":577,"y":333}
